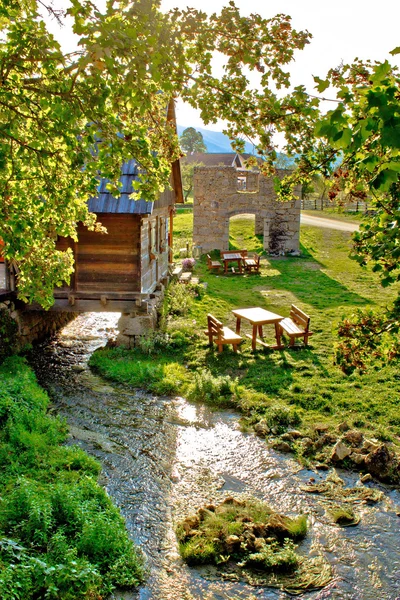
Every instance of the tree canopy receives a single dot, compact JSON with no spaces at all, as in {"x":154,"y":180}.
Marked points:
{"x":68,"y":119}
{"x":364,"y":128}
{"x":192,"y":141}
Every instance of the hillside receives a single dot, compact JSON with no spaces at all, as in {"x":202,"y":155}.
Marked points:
{"x":216,"y":141}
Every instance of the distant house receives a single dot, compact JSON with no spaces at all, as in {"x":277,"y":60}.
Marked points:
{"x":213,"y":159}
{"x":218,"y":159}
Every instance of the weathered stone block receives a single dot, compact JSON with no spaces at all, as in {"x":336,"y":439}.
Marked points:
{"x":128,"y":326}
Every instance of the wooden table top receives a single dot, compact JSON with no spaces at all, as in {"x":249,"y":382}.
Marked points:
{"x":257,"y":315}
{"x":232,"y":256}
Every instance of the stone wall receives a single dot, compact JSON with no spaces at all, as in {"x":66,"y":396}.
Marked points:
{"x":19,"y":328}
{"x":140,"y":321}
{"x":222,"y":192}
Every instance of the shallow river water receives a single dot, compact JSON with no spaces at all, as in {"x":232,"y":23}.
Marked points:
{"x":163,"y":458}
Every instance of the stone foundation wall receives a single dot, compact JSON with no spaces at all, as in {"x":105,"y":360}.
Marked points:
{"x":19,"y":328}
{"x":140,"y":321}
{"x":222,"y":192}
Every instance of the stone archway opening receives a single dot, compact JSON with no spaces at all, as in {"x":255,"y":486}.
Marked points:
{"x":243,"y":233}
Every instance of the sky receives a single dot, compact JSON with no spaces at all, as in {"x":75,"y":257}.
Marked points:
{"x":342,"y":30}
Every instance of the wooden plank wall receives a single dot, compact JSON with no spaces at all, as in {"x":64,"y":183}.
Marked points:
{"x":154,"y":244}
{"x":107,"y":262}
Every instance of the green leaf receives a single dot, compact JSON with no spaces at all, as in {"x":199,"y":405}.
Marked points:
{"x":384,"y":180}
{"x":380,"y":72}
{"x":323,"y":84}
{"x":395,"y":51}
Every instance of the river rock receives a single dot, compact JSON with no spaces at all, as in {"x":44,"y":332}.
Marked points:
{"x":325,"y":440}
{"x":380,"y":462}
{"x":322,"y":467}
{"x":282,"y":446}
{"x":321,"y":427}
{"x":261,"y":429}
{"x":295,"y":434}
{"x":307,"y":445}
{"x":340,"y":452}
{"x":353,"y":438}
{"x":190,"y":523}
{"x":358,"y":459}
{"x":344,"y":426}
{"x":370,"y":445}
{"x":232,"y":543}
{"x":365,"y":478}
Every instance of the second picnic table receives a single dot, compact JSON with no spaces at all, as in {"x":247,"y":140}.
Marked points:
{"x":228,"y":257}
{"x":258,"y":317}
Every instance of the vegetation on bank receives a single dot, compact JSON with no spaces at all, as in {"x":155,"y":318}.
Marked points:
{"x":297,"y":388}
{"x":60,"y":535}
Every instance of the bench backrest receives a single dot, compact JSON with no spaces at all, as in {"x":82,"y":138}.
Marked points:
{"x":214,"y":326}
{"x":299,"y":317}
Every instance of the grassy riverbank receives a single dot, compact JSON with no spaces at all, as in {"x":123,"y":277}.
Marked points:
{"x":300,"y":388}
{"x":61,"y":536}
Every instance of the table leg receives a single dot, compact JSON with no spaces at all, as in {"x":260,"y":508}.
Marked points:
{"x":278,"y":336}
{"x":240,"y":266}
{"x":254,"y":338}
{"x":260,"y":331}
{"x":238,"y":325}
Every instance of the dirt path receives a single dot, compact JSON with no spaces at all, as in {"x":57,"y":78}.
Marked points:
{"x":328,"y":223}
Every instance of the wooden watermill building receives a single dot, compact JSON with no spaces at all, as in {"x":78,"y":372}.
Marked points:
{"x":118,"y":270}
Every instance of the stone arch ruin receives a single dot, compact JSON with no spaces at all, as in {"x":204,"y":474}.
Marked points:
{"x":221,"y":192}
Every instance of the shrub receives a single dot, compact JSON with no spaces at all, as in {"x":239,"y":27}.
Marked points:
{"x":66,"y":539}
{"x":179,"y":299}
{"x":219,"y":390}
{"x":188,"y":264}
{"x":281,"y":417}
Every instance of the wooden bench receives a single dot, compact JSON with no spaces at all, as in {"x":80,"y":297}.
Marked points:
{"x":296,"y":326}
{"x":213,"y":264}
{"x":221,"y":335}
{"x":252,"y":263}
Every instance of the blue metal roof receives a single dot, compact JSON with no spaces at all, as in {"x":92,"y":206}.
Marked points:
{"x":125,"y":204}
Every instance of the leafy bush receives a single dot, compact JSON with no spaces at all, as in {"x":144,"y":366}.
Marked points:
{"x":188,"y":264}
{"x":179,"y":299}
{"x":205,"y":387}
{"x":62,"y":537}
{"x":281,"y":417}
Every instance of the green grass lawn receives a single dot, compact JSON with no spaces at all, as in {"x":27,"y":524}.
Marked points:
{"x":303,"y":384}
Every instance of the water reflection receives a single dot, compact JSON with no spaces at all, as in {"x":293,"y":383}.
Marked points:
{"x":163,"y":458}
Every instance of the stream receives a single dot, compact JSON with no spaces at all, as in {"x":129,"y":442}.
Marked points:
{"x":163,"y":458}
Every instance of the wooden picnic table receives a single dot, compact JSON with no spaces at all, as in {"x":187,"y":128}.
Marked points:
{"x":258,"y":317}
{"x":228,"y":257}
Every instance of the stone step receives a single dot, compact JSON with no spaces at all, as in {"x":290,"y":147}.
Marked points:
{"x":185,"y":277}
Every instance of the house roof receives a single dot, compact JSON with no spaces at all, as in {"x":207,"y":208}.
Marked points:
{"x":126,"y":203}
{"x":212,"y":159}
{"x":105,"y":202}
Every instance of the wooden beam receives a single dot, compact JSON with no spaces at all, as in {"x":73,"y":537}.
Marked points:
{"x":62,"y":305}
